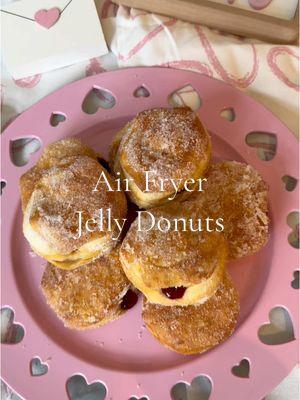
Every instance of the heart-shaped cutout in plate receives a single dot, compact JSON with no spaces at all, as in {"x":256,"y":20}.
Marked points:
{"x":290,"y":182}
{"x":280,"y":330}
{"x":37,"y":367}
{"x":3,"y":184}
{"x":296,"y":281}
{"x":186,"y":96}
{"x":242,"y":370}
{"x":141,"y":91}
{"x":265,"y":143}
{"x":98,"y":98}
{"x":79,"y":389}
{"x":228,"y":113}
{"x":56,"y":118}
{"x":11,"y":332}
{"x":293,"y":222}
{"x":200,"y":389}
{"x":21,"y":150}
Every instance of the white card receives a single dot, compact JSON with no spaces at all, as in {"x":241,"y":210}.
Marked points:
{"x":30,"y":46}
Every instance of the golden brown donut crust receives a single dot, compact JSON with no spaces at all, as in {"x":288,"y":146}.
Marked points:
{"x":171,"y":143}
{"x":89,"y":296}
{"x":52,"y":154}
{"x":236,"y":192}
{"x":173,"y":258}
{"x":51,"y":211}
{"x":154,"y":259}
{"x":195,"y":329}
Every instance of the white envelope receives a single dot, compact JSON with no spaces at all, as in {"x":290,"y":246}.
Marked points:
{"x":29,"y":48}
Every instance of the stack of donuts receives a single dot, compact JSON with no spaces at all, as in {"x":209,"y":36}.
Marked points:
{"x":190,"y":304}
{"x":83,"y":281}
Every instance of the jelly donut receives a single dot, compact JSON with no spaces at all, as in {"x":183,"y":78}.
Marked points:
{"x":174,"y":267}
{"x":59,"y":218}
{"x":158,"y":149}
{"x":238,"y":194}
{"x":196,"y":328}
{"x":89,"y":296}
{"x":52,"y":154}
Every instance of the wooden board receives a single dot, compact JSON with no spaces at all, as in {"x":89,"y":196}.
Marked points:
{"x":230,"y":19}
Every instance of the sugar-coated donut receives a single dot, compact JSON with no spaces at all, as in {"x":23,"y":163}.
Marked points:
{"x":166,"y":144}
{"x":88,"y":296}
{"x":237,"y":193}
{"x":52,"y":154}
{"x":174,"y":267}
{"x":51,"y":216}
{"x":196,"y":328}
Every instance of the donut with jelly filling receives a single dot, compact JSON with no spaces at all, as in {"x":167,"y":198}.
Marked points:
{"x":89,"y":296}
{"x":175,"y":267}
{"x":195,"y":329}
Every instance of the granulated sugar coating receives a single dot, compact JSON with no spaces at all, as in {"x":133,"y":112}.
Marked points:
{"x":66,"y":189}
{"x":171,"y":143}
{"x":195,"y":329}
{"x":237,"y":193}
{"x":88,"y":296}
{"x":174,"y":257}
{"x":52,"y":154}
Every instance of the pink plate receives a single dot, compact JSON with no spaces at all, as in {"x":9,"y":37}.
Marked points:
{"x":123,"y":355}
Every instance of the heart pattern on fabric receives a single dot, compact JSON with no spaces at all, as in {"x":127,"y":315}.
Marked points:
{"x":11,"y":333}
{"x":47,"y":18}
{"x":241,"y":370}
{"x":94,"y":67}
{"x":273,"y":61}
{"x":79,"y":389}
{"x":255,"y":4}
{"x":37,"y":367}
{"x":199,"y":389}
{"x":280,"y":330}
{"x":219,"y":66}
{"x":296,"y":281}
{"x":29,"y":82}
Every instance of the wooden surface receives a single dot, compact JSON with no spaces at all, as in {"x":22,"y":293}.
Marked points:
{"x":230,"y":19}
